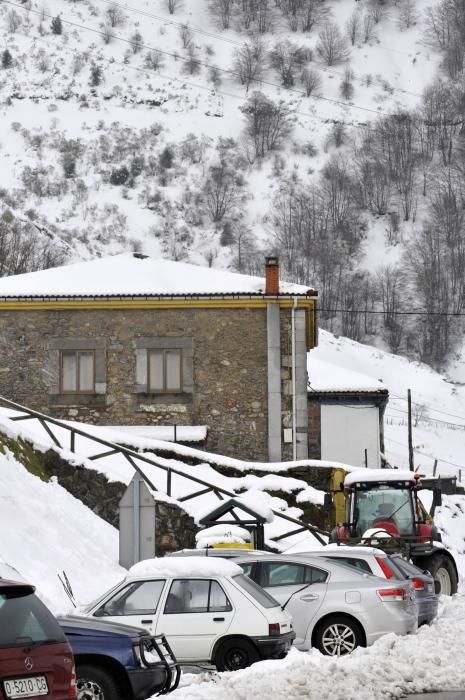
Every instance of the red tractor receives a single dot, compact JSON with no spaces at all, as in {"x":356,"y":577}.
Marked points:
{"x":381,"y":506}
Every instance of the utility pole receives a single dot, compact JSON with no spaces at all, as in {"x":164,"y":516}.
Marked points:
{"x":410,"y":442}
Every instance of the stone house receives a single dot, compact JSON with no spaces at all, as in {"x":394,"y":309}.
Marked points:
{"x":132,"y":340}
{"x":345,"y":413}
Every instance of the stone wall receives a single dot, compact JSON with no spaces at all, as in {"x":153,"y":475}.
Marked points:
{"x":229,"y":367}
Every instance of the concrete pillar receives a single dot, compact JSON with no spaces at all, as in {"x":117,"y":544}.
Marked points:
{"x":274,"y":382}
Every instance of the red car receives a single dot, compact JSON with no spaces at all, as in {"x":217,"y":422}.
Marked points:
{"x":35,"y":658}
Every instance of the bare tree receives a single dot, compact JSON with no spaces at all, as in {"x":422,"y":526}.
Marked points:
{"x":221,"y":190}
{"x":185,"y":34}
{"x":353,"y":26}
{"x":368,"y":27}
{"x":154,"y":60}
{"x":391,"y":288}
{"x":136,"y":42}
{"x":192,"y":63}
{"x":267,"y":123}
{"x":346,"y":88}
{"x":222,"y":9}
{"x":311,"y":80}
{"x":332,"y":45}
{"x":286,"y":57}
{"x":312,"y":13}
{"x":13,"y":21}
{"x":249,"y":61}
{"x":115,"y":15}
{"x":172,"y":5}
{"x":407,"y":14}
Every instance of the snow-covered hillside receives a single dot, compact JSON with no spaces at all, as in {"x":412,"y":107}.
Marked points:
{"x":161,"y":117}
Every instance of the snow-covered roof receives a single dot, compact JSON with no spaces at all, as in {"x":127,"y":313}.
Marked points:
{"x":132,"y":274}
{"x":379,"y":475}
{"x":184,"y":566}
{"x":324,"y":376}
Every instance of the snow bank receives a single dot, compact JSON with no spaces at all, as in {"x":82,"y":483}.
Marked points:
{"x":46,"y":531}
{"x":392,"y":668}
{"x":185,"y":566}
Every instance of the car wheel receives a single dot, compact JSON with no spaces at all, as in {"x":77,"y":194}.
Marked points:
{"x":443,"y":571}
{"x":338,"y":636}
{"x":94,"y":683}
{"x":234,"y":654}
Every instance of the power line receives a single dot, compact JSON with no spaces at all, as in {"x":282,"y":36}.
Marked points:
{"x":436,"y":410}
{"x":234,"y":42}
{"x":176,"y":56}
{"x":393,"y":313}
{"x":424,"y":454}
{"x":432,"y":420}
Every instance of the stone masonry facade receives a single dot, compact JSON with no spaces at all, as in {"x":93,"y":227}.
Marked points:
{"x":224,"y":369}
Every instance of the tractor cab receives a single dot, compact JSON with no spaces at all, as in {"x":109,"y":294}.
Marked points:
{"x":390,"y":506}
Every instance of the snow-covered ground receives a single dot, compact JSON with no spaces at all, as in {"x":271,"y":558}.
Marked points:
{"x":392,"y":668}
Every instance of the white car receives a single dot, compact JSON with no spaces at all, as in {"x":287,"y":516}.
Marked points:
{"x":207,"y":608}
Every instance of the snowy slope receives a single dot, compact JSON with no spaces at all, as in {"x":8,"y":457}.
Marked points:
{"x":46,"y":531}
{"x":140,"y":110}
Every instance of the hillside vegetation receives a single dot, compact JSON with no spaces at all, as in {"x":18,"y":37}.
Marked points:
{"x":328,"y":132}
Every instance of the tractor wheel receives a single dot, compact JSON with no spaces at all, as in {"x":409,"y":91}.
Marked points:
{"x":443,"y":571}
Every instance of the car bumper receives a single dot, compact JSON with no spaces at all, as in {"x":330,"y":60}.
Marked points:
{"x":427,"y":610}
{"x":274,"y":647}
{"x":147,"y":681}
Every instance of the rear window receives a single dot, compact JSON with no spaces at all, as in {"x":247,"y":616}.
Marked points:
{"x":254,"y":590}
{"x":24,"y":619}
{"x":360,"y":564}
{"x":406,"y":567}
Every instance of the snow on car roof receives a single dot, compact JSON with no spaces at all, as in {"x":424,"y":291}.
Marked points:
{"x":378,"y":475}
{"x":185,"y":566}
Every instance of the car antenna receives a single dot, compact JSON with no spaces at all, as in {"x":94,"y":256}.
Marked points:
{"x":293,"y":594}
{"x":67,"y":586}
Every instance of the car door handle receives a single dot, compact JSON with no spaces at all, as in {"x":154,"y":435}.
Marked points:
{"x":146,"y":622}
{"x":309,"y":597}
{"x":218,"y":619}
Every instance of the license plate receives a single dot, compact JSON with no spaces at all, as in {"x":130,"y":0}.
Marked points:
{"x":25,"y":687}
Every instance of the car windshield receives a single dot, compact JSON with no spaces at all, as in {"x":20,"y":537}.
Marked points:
{"x":384,"y":504}
{"x":254,"y":590}
{"x":24,"y":620}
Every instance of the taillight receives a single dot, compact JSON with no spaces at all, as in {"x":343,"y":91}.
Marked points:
{"x":389,"y":595}
{"x":72,"y":683}
{"x":387,"y":571}
{"x":274,"y":629}
{"x":418,"y":584}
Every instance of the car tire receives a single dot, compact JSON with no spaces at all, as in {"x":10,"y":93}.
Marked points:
{"x":95,"y":683}
{"x":338,"y":635}
{"x":443,"y":571}
{"x":235,"y":654}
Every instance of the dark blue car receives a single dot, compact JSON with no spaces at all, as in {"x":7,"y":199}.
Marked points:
{"x":119,"y":662}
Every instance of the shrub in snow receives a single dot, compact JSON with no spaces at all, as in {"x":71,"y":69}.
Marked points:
{"x":353,"y":26}
{"x":13,"y":21}
{"x":311,"y":80}
{"x":136,"y":42}
{"x":346,"y":88}
{"x":56,"y":25}
{"x":119,"y":176}
{"x":7,"y":59}
{"x":185,"y":34}
{"x":115,"y":15}
{"x":191,"y":64}
{"x":154,"y":60}
{"x":96,"y":75}
{"x":166,"y":160}
{"x":214,"y":76}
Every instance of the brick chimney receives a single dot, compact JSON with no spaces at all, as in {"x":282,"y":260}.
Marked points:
{"x":272,"y":276}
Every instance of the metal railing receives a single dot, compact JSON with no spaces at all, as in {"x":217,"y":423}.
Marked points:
{"x":138,"y":461}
